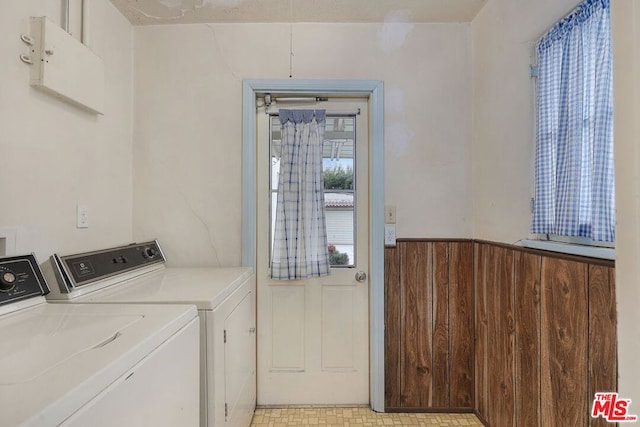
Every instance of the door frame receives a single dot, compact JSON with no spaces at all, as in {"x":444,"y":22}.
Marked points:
{"x":374,"y":90}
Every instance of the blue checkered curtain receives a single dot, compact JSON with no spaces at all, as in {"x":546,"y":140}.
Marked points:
{"x":574,"y":184}
{"x":300,"y":248}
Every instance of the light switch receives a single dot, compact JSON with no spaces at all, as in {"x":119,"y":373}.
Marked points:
{"x":390,"y":214}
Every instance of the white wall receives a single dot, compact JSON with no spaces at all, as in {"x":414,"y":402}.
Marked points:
{"x":187,"y":143}
{"x":503,"y":35}
{"x":54,"y":155}
{"x":625,"y":23}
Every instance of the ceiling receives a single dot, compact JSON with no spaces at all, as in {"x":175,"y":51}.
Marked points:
{"x":154,"y":12}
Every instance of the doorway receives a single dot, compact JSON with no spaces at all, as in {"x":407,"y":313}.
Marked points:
{"x":373,"y":90}
{"x":313,"y":340}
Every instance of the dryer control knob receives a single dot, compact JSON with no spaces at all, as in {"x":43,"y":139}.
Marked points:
{"x":149,"y":253}
{"x":7,"y":280}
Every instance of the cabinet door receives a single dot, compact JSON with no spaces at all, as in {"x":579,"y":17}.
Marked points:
{"x":239,"y":360}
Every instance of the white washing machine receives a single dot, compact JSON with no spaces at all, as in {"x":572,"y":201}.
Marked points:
{"x":90,"y":364}
{"x":224,"y":297}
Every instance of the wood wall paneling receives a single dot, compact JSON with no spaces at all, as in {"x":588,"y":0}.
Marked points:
{"x":501,"y":336}
{"x":602,"y":334}
{"x":527,"y":297}
{"x":430,"y":344}
{"x":392,"y":328}
{"x":461,"y":324}
{"x":524,"y":338}
{"x":416,"y":324}
{"x":481,"y":391}
{"x":440,"y":307}
{"x":564,"y":343}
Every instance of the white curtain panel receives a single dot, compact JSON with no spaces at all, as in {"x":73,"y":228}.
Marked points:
{"x":300,"y":235}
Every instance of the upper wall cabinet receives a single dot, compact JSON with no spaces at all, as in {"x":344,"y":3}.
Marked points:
{"x":64,"y":67}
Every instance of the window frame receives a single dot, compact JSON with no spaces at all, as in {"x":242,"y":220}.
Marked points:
{"x":556,"y":242}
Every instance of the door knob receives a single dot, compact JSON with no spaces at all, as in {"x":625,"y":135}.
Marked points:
{"x":361,"y":276}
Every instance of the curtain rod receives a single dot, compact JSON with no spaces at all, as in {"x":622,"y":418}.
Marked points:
{"x":284,"y":99}
{"x":328,"y":113}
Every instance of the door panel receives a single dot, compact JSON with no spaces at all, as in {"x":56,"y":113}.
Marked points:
{"x":287,"y":326}
{"x":313,"y":335}
{"x":337,"y":328}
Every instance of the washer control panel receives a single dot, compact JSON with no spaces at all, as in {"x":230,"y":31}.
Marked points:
{"x":20,"y":278}
{"x":89,"y":267}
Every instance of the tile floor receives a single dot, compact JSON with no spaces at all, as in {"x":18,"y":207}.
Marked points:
{"x":352,"y":417}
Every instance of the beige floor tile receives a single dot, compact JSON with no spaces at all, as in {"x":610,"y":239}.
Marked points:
{"x":354,"y":417}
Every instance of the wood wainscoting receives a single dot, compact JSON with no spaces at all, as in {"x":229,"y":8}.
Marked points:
{"x":522,"y":337}
{"x":429,"y":326}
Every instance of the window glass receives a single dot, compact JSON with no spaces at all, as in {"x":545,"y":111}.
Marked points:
{"x":574,"y":183}
{"x":338,"y":164}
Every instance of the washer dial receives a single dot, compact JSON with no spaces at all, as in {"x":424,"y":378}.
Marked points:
{"x":7,"y":280}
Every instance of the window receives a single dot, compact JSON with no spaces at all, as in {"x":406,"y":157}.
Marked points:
{"x":338,"y":164}
{"x":574,"y":183}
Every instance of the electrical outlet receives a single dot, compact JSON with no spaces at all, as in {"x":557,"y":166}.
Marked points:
{"x":390,"y":235}
{"x":82,"y":216}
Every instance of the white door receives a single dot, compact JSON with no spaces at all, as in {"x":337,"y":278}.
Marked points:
{"x":313,"y":335}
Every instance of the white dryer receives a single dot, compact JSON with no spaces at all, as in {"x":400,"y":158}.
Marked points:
{"x":92,"y":364}
{"x":224,"y":297}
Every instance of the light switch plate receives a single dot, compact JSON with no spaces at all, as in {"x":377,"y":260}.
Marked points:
{"x":390,"y":214}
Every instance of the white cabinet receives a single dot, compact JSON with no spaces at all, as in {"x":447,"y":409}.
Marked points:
{"x":65,"y":68}
{"x":231,"y":351}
